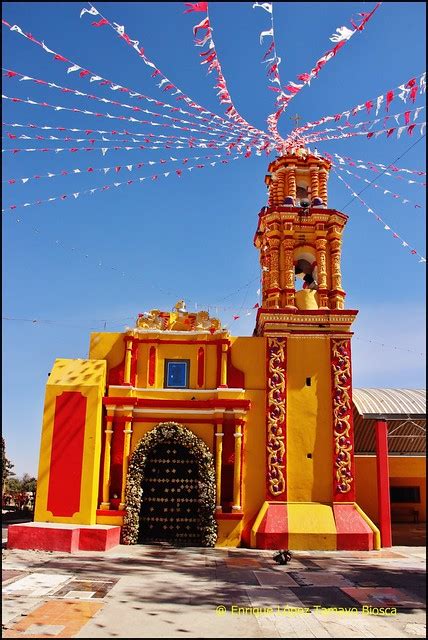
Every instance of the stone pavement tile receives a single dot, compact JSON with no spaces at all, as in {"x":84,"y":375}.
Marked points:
{"x":70,"y":616}
{"x":271,"y":579}
{"x":36,"y":584}
{"x":97,"y":588}
{"x":357,"y":625}
{"x":11,"y":574}
{"x":300,"y":624}
{"x":324,"y":597}
{"x":235,"y":577}
{"x":321,"y":579}
{"x":17,"y":606}
{"x":384,"y":597}
{"x":285,"y":599}
{"x":242,"y":562}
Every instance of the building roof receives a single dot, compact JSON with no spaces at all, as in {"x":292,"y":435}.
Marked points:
{"x":403,"y":409}
{"x":392,"y":404}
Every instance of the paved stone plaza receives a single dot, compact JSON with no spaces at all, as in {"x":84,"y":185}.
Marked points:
{"x":158,"y":591}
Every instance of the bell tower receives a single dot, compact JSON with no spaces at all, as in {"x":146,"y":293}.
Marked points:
{"x":310,"y":479}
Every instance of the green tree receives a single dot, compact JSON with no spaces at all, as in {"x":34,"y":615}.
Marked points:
{"x":6,"y":467}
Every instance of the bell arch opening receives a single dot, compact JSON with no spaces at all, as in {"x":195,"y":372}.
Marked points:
{"x":170,"y":490}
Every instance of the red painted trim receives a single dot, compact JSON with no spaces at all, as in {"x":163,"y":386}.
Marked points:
{"x":116,"y":460}
{"x":179,"y":404}
{"x":201,"y":366}
{"x":195,"y":341}
{"x":66,"y":464}
{"x":111,"y":512}
{"x":236,"y":515}
{"x":152,"y":366}
{"x":382,"y":469}
{"x":134,"y":360}
{"x":307,"y":312}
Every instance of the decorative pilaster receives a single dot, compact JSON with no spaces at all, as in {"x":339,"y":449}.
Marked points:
{"x":337,"y":293}
{"x":292,"y":187}
{"x":343,"y":435}
{"x":273,"y":298}
{"x":321,"y":247}
{"x":126,"y":448}
{"x":218,"y":465}
{"x":288,"y":280}
{"x":237,"y":469}
{"x":276,"y":419}
{"x":223,"y":365}
{"x":313,"y":173}
{"x":322,"y":185}
{"x":128,"y":361}
{"x":105,"y":504}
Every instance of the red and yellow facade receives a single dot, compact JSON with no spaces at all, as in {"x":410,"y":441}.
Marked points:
{"x":274,"y":409}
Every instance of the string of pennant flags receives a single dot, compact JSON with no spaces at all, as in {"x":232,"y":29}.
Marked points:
{"x":406,"y":116}
{"x":115,"y":169}
{"x":377,"y":186}
{"x":386,"y":227}
{"x":91,"y":191}
{"x":211,"y":59}
{"x":409,"y":90}
{"x":213,"y":130}
{"x":393,"y":131}
{"x":375,"y":166}
{"x":203,"y":114}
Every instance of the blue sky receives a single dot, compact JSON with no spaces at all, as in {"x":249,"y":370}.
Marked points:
{"x":97,"y":261}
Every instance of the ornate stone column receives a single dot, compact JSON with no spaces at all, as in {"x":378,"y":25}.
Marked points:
{"x":126,"y":448}
{"x":288,"y":280}
{"x":322,"y":185}
{"x":292,"y":187}
{"x":337,"y":293}
{"x":321,"y":246}
{"x":218,"y":464}
{"x":313,"y":172}
{"x":105,"y":504}
{"x":237,"y":469}
{"x":273,"y":297}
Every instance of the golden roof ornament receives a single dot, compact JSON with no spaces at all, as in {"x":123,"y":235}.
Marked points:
{"x":179,"y":319}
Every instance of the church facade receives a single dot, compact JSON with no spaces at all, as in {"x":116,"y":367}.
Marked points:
{"x":176,"y":431}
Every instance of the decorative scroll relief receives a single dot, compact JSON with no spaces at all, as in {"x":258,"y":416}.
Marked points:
{"x":276,"y":413}
{"x":342,"y":416}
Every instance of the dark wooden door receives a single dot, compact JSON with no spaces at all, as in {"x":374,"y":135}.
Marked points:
{"x":169,"y":504}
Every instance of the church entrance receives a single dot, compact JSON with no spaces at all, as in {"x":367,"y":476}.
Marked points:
{"x":169,"y":504}
{"x":170,"y":492}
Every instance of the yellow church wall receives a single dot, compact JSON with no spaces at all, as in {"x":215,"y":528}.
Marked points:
{"x":404,"y":471}
{"x":309,"y":421}
{"x":142,"y":366}
{"x":107,"y":346}
{"x":86,"y":377}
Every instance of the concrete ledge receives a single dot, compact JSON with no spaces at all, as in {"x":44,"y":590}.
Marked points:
{"x":46,"y":536}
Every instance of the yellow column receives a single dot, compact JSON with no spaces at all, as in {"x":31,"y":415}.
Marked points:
{"x":105,"y":504}
{"x":337,"y":293}
{"x":218,"y":464}
{"x":313,"y":172}
{"x":292,"y":188}
{"x":128,"y":359}
{"x":223,"y":369}
{"x":322,"y":181}
{"x":237,"y":470}
{"x":321,"y":245}
{"x":274,"y":272}
{"x":289,"y":286}
{"x":126,"y":448}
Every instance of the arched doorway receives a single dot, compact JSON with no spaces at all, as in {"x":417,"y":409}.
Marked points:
{"x":170,"y":492}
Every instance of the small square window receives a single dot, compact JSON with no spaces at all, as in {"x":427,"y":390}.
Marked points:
{"x":177,"y":374}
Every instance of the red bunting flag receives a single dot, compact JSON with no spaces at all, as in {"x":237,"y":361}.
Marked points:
{"x":236,"y":317}
{"x":256,"y":306}
{"x":196,"y":6}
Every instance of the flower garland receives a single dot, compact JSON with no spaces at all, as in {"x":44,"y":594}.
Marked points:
{"x":171,"y":432}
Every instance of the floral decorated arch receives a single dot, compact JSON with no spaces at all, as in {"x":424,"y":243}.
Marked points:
{"x":171,"y":433}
